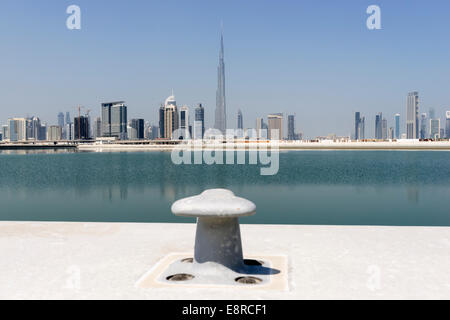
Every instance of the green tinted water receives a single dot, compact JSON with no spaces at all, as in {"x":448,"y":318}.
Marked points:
{"x":312,"y":187}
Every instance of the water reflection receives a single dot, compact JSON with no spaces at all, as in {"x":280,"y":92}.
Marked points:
{"x":413,"y":194}
{"x":37,"y":151}
{"x":311,"y":187}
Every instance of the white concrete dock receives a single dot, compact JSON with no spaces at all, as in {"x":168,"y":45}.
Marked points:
{"x":104,"y":261}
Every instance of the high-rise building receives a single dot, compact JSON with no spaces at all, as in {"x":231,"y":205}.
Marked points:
{"x":114,"y":120}
{"x":5,"y":131}
{"x":68,"y":120}
{"x":152,"y":132}
{"x":359,"y":126}
{"x":240,"y":120}
{"x":397,"y":126}
{"x":170,"y":117}
{"x":29,"y":129}
{"x":17,"y":129}
{"x":291,"y":127}
{"x":391,"y":134}
{"x":357,"y":122}
{"x":199,"y":124}
{"x":131,"y":132}
{"x":275,"y":122}
{"x":68,"y":131}
{"x":54,"y":133}
{"x":81,"y":128}
{"x":362,"y":128}
{"x":38,"y":133}
{"x":221,"y":106}
{"x":161,"y":121}
{"x":423,"y":126}
{"x":384,"y":129}
{"x":447,"y":124}
{"x":184,"y":122}
{"x":43,"y":132}
{"x":97,"y":127}
{"x":137,"y":129}
{"x":61,"y":119}
{"x":435,"y":128}
{"x":378,"y":126}
{"x":412,"y":115}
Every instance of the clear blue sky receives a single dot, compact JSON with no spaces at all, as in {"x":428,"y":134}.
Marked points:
{"x":316,"y":59}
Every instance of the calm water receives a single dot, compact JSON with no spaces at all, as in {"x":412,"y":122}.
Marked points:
{"x":312,"y":187}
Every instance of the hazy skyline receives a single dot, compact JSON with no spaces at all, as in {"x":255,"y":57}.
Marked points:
{"x":315,"y":59}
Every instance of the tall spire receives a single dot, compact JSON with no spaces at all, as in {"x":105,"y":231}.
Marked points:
{"x":221,"y":57}
{"x":221,"y":115}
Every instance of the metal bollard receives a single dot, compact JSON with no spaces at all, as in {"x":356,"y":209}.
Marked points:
{"x":218,"y":236}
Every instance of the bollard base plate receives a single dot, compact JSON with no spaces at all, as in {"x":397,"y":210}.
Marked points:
{"x":179,"y":270}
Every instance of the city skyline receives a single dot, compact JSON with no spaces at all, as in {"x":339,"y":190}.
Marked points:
{"x":265,"y":64}
{"x":114,"y":123}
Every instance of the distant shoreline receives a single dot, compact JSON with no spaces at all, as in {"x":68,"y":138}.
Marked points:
{"x":248,"y":145}
{"x":282,"y":146}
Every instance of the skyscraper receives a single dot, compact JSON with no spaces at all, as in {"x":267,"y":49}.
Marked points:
{"x":221,"y":109}
{"x":291,"y":127}
{"x":170,"y":117}
{"x":391,"y":134}
{"x":29,"y":129}
{"x":36,"y":129}
{"x":184,"y":121}
{"x":161,"y":121}
{"x":384,"y":129}
{"x":359,"y":126}
{"x":362,"y":128}
{"x":412,"y":115}
{"x":17,"y":129}
{"x":435,"y":128}
{"x":5,"y":133}
{"x":81,"y":128}
{"x":114,"y":119}
{"x":61,"y":119}
{"x":68,"y":131}
{"x":275,"y":122}
{"x":98,"y":127}
{"x":378,"y":126}
{"x":447,"y":124}
{"x":137,"y":129}
{"x":423,"y":126}
{"x":54,"y":133}
{"x":199,"y":124}
{"x":152,"y":132}
{"x":357,"y":120}
{"x":397,"y":126}
{"x":240,"y":120}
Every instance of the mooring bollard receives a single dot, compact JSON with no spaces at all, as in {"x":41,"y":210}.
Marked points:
{"x":218,"y":236}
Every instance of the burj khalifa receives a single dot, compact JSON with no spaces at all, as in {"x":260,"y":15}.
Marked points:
{"x":221,"y":106}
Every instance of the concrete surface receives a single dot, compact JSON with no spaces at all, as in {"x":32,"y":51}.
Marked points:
{"x":104,"y":261}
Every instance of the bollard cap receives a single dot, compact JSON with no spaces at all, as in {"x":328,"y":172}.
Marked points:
{"x":214,"y":203}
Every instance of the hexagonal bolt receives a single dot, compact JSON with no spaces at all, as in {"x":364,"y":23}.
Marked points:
{"x":218,"y":237}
